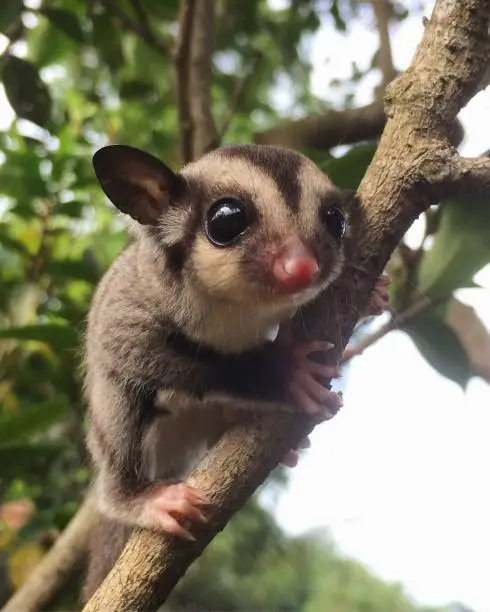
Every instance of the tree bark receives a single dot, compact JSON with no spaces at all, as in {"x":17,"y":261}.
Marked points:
{"x":414,"y":163}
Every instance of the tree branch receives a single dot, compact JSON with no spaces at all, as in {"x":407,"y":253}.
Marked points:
{"x":465,"y":176}
{"x":325,"y":130}
{"x":182,"y":77}
{"x":329,"y":129}
{"x":396,"y":321}
{"x":200,"y":78}
{"x":58,"y":564}
{"x":381,"y":9}
{"x":421,"y":105}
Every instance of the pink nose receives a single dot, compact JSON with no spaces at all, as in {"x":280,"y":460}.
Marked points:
{"x":295,"y":268}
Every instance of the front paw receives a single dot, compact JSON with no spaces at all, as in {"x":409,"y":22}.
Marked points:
{"x":310,"y":395}
{"x":291,"y":458}
{"x":379,"y":299}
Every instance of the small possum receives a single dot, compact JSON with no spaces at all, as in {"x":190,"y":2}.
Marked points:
{"x":182,"y":329}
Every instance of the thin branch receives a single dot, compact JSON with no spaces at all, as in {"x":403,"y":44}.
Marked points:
{"x":424,"y":101}
{"x":396,"y":322}
{"x":381,"y":9}
{"x":205,"y":135}
{"x":141,"y":29}
{"x":182,"y":77}
{"x":58,"y":564}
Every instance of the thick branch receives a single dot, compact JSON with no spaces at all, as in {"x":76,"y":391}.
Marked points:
{"x":423,"y":102}
{"x":200,"y":78}
{"x":182,"y":75}
{"x":381,"y":9}
{"x":54,"y":570}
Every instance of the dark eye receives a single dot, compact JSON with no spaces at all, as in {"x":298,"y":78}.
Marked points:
{"x":226,"y":221}
{"x":335,"y":222}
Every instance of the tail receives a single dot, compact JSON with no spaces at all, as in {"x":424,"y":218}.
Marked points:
{"x":107,"y":542}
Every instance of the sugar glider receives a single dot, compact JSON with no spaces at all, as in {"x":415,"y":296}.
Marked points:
{"x":182,"y":329}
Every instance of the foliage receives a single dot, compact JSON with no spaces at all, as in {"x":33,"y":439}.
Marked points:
{"x":77,"y":76}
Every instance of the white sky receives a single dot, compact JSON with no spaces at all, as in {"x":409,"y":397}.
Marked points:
{"x":399,"y":477}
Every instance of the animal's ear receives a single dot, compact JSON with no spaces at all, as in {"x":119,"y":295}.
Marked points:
{"x":138,"y":183}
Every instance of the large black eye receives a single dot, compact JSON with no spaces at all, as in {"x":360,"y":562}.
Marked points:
{"x":226,"y":221}
{"x":335,"y":222}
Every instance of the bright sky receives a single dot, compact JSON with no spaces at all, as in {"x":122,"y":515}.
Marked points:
{"x":400,"y":475}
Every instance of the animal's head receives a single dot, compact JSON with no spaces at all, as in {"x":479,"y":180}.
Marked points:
{"x":247,"y":223}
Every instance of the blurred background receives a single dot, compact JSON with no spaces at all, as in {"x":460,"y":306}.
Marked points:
{"x":388,"y":511}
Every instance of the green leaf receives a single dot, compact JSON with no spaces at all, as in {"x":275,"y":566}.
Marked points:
{"x":10,"y":12}
{"x":31,"y":419}
{"x":460,"y":249}
{"x":348,"y":171}
{"x":59,"y":337}
{"x":26,"y":92}
{"x":66,"y":21}
{"x":440,"y":346}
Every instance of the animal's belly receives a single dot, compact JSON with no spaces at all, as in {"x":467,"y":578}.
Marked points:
{"x":176,"y":444}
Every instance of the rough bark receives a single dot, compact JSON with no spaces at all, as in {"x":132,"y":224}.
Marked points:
{"x":57,"y":565}
{"x":413,"y":165}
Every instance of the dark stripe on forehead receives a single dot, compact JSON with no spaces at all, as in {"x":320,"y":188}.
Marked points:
{"x":191,"y":199}
{"x":281,"y":165}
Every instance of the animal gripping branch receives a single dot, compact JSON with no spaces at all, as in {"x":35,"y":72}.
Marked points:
{"x":414,"y":165}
